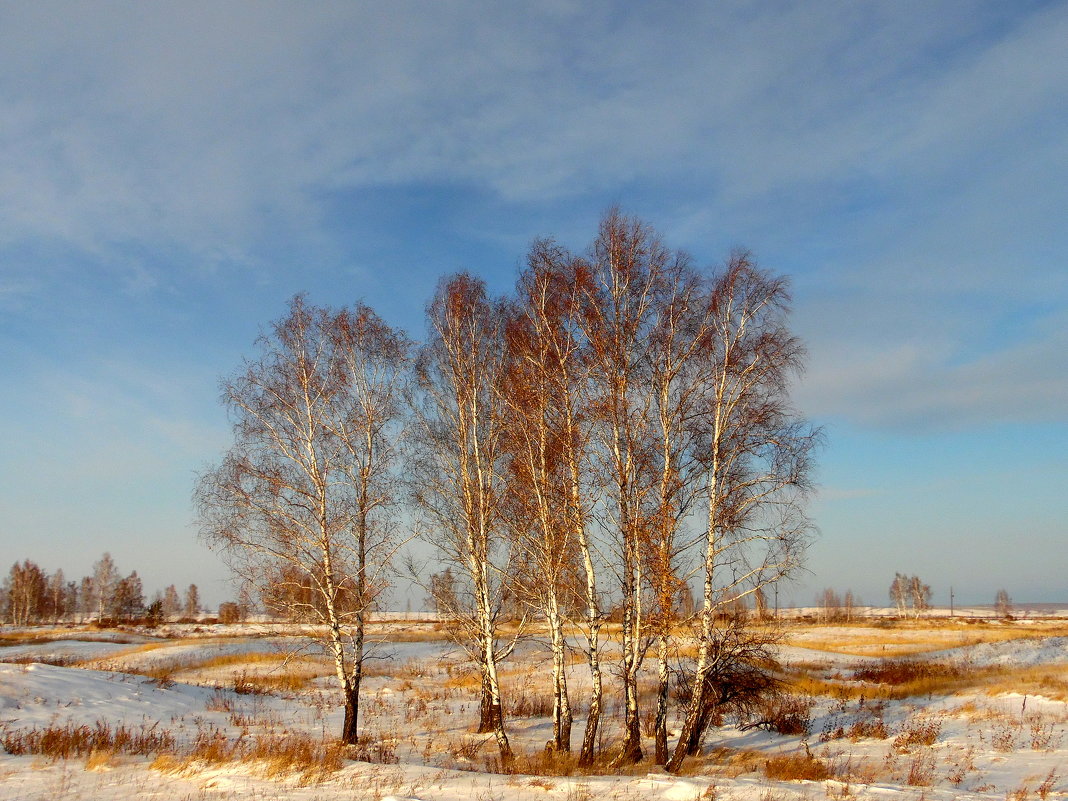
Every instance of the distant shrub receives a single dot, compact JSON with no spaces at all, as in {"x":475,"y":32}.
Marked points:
{"x":899,"y":671}
{"x":230,"y":613}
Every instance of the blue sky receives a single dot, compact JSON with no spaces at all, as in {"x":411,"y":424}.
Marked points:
{"x":171,"y":173}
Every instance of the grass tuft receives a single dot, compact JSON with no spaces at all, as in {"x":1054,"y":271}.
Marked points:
{"x":68,"y":741}
{"x":796,"y":767}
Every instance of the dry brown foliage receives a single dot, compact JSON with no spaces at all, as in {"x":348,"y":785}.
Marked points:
{"x":70,"y":740}
{"x":796,"y":767}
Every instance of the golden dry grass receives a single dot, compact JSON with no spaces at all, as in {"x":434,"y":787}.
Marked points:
{"x":289,"y":755}
{"x":907,"y":638}
{"x":117,"y":656}
{"x":100,"y":759}
{"x":1050,"y":681}
{"x":43,"y":636}
{"x":71,"y":740}
{"x":260,"y":672}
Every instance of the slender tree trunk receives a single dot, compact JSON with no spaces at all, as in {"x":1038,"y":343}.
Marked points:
{"x":593,"y":615}
{"x":661,"y":698}
{"x":495,"y":705}
{"x":693,"y":725}
{"x":562,"y":717}
{"x":349,"y":729}
{"x":486,"y":720}
{"x":589,"y":736}
{"x":631,"y":748}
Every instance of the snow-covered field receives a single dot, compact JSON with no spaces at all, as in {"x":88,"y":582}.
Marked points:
{"x":212,"y":714}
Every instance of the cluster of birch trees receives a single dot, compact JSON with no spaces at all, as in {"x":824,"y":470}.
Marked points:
{"x":607,"y":454}
{"x":29,"y":595}
{"x":910,"y":595}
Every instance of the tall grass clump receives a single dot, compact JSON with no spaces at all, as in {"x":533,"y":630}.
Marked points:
{"x":69,"y":740}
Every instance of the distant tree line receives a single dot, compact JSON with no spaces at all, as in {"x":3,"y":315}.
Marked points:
{"x":30,"y":595}
{"x":832,"y":607}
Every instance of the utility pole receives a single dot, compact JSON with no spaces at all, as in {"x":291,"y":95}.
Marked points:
{"x":951,"y":602}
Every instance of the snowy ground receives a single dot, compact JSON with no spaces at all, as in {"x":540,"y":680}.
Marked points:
{"x":1002,"y":736}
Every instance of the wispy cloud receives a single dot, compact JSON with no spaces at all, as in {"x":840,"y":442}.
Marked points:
{"x":204,"y":126}
{"x":903,"y":151}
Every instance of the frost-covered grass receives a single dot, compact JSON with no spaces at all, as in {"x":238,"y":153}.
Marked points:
{"x":940,"y":713}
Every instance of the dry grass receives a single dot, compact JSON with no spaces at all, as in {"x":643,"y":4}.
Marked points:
{"x":893,"y":639}
{"x":527,"y":703}
{"x":464,"y":679}
{"x":1047,"y":680}
{"x":101,"y":759}
{"x":64,"y":742}
{"x":900,"y":679}
{"x":103,"y":663}
{"x":245,"y":683}
{"x":53,"y":634}
{"x":308,"y":759}
{"x":917,"y":732}
{"x":427,"y":632}
{"x":283,"y":674}
{"x":796,"y":767}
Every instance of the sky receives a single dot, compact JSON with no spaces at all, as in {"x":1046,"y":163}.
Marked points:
{"x":172,"y":173}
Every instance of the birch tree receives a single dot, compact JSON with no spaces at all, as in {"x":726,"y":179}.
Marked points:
{"x":675,"y":382}
{"x":302,"y":495}
{"x":105,"y":578}
{"x":26,"y":587}
{"x":172,"y":605}
{"x":1003,"y":604}
{"x":458,"y":474}
{"x":756,"y":463}
{"x":547,"y":444}
{"x":629,"y":266}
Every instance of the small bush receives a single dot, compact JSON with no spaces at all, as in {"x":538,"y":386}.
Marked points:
{"x":796,"y":767}
{"x":786,"y":714}
{"x":230,"y":613}
{"x":530,"y":705}
{"x":922,"y":731}
{"x":873,"y":727}
{"x":1042,"y":736}
{"x":921,"y":769}
{"x":1003,"y":736}
{"x":1047,"y":784}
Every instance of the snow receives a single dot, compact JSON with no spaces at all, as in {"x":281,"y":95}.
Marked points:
{"x":987,"y":747}
{"x":1019,"y":653}
{"x":62,"y":652}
